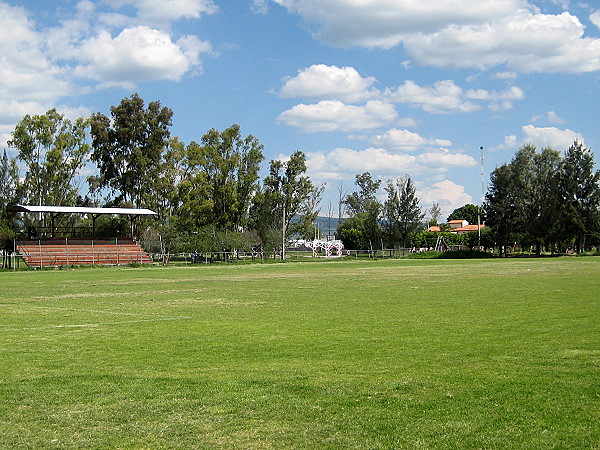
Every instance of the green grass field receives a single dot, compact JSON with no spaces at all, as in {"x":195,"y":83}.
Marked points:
{"x":355,"y":354}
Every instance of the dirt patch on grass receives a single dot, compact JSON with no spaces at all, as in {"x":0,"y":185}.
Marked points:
{"x":117,"y":294}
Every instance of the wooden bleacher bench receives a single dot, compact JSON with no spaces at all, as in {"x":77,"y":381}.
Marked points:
{"x":79,"y":252}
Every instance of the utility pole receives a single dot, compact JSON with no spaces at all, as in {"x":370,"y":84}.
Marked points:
{"x":481,"y":206}
{"x":283,"y":232}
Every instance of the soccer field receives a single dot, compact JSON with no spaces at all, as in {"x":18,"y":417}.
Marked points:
{"x":345,"y":354}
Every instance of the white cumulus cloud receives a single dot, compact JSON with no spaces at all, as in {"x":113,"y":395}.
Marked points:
{"x":260,"y":6}
{"x":498,"y":100}
{"x":443,"y":97}
{"x":405,"y":141}
{"x":30,"y":81}
{"x":167,"y":10}
{"x":595,"y":18}
{"x":90,"y":47}
{"x":448,"y":194}
{"x":382,"y":163}
{"x":329,"y":83}
{"x":554,"y":118}
{"x":442,"y":159}
{"x":550,"y":116}
{"x":139,"y":54}
{"x":550,"y":137}
{"x":333,"y":115}
{"x":512,"y":93}
{"x":322,"y":82}
{"x":384,"y":23}
{"x":525,"y":41}
{"x":542,"y":137}
{"x":374,"y":160}
{"x":457,"y":33}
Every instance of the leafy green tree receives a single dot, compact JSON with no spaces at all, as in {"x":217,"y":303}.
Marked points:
{"x":546,"y":204}
{"x":227,"y":165}
{"x":284,"y":191}
{"x":127,"y":149}
{"x":580,"y":188}
{"x":541,"y":199}
{"x":429,"y":239}
{"x":366,"y":208}
{"x":426,"y":239}
{"x":9,"y":178}
{"x":352,"y":233}
{"x":500,"y":206}
{"x":9,"y":181}
{"x":309,"y":211}
{"x":166,"y":201}
{"x":401,"y":211}
{"x":53,"y":150}
{"x":483,"y":238}
{"x":193,"y":193}
{"x":533,"y":190}
{"x":435,"y":212}
{"x":7,"y":234}
{"x":364,"y":200}
{"x":467,"y":212}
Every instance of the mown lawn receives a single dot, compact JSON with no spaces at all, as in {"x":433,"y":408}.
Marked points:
{"x":355,"y":354}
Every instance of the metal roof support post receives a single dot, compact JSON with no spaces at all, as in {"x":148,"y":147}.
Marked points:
{"x":94,"y":217}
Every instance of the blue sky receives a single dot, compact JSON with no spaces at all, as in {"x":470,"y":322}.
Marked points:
{"x":392,"y":87}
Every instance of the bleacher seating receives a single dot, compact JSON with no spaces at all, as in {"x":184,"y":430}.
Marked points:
{"x":79,"y":252}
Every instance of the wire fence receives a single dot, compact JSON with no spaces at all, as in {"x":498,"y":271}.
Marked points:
{"x":12,"y":260}
{"x":264,"y":256}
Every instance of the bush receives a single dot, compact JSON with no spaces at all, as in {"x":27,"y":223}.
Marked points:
{"x":7,"y":234}
{"x":352,"y":238}
{"x":430,"y":254}
{"x":429,"y":238}
{"x":465,"y":254}
{"x":455,"y":254}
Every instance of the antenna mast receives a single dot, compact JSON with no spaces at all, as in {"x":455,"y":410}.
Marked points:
{"x":482,"y":179}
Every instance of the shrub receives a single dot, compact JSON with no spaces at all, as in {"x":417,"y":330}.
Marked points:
{"x":464,"y":254}
{"x":455,"y":254}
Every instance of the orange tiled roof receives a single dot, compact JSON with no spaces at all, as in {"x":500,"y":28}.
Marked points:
{"x":469,"y":228}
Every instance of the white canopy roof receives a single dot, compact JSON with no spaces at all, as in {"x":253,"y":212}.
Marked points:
{"x":80,"y":210}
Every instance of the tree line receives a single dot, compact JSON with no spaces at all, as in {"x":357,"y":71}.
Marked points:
{"x":542,"y":200}
{"x":206,"y":191}
{"x":373,"y":224}
{"x":209,"y":196}
{"x":545,"y":200}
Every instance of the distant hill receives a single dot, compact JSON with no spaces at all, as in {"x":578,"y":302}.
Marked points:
{"x":325,"y":225}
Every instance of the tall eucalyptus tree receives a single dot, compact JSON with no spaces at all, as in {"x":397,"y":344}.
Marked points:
{"x":53,"y":150}
{"x":127,"y":148}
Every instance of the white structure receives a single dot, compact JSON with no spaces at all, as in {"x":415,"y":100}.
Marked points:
{"x":327,"y":246}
